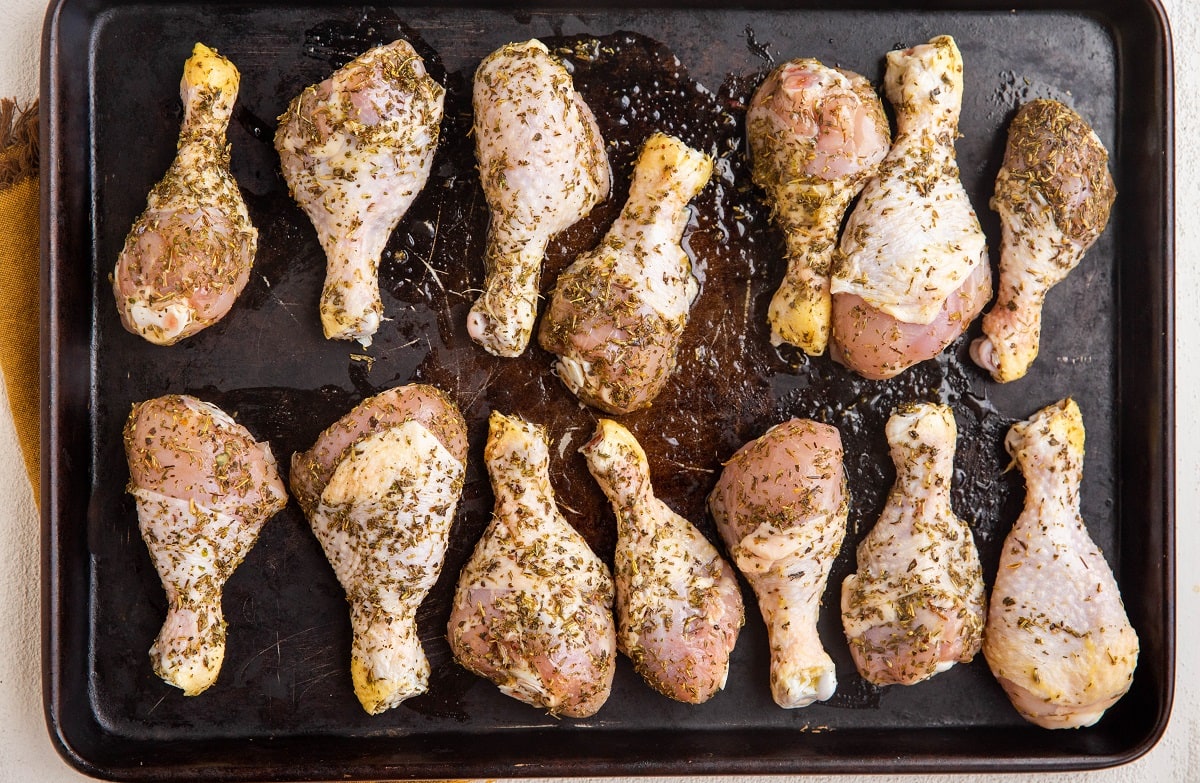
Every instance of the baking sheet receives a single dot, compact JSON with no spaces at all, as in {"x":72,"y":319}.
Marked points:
{"x":283,"y":707}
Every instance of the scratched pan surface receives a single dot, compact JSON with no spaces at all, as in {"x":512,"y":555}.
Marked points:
{"x":283,"y":707}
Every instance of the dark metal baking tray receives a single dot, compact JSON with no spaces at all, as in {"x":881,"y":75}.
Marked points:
{"x":283,"y":707}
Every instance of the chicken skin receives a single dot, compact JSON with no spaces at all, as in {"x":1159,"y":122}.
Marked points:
{"x":781,"y":505}
{"x":189,"y":254}
{"x":916,"y":605}
{"x":1057,"y":636}
{"x":816,"y":136}
{"x":911,"y":271}
{"x":533,"y":608}
{"x":679,"y":608}
{"x":204,"y":488}
{"x":379,"y":488}
{"x":617,"y":314}
{"x":543,"y":167}
{"x":356,"y":150}
{"x":1053,"y":194}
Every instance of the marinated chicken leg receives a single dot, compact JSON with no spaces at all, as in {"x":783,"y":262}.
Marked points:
{"x":816,"y":136}
{"x":543,"y":167}
{"x":379,"y":488}
{"x":1057,"y":636}
{"x":356,"y":150}
{"x":911,"y":271}
{"x":781,"y":506}
{"x":1053,"y":193}
{"x":533,"y":607}
{"x":189,"y":254}
{"x":916,"y":605}
{"x":679,"y":608}
{"x":204,"y":488}
{"x":617,"y":314}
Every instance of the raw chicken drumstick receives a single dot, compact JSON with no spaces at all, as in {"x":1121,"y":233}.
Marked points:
{"x":916,"y":605}
{"x":543,"y":167}
{"x":679,"y":607}
{"x":356,"y":150}
{"x":617,"y":314}
{"x":911,"y":271}
{"x":533,"y":607}
{"x":1053,"y":193}
{"x":189,"y":254}
{"x":379,"y":488}
{"x":204,"y":488}
{"x":816,"y":136}
{"x":781,"y":506}
{"x":1057,"y":636}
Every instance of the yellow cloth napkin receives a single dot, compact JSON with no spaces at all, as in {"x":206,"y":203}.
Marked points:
{"x":19,"y":266}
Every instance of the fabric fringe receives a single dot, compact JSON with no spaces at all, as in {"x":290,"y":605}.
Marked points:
{"x":19,"y":142}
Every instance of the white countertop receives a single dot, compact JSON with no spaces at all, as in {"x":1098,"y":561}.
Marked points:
{"x":26,"y":752}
